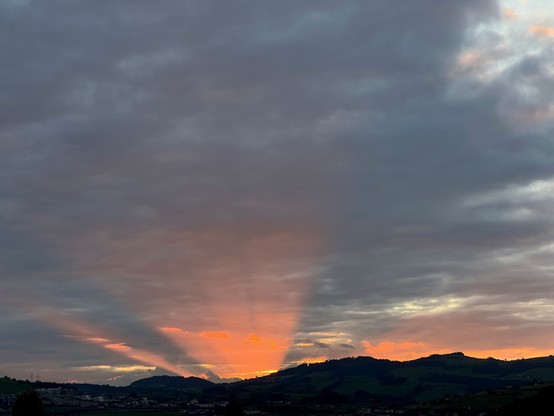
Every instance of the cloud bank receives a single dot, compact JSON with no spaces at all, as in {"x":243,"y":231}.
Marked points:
{"x":219,"y":189}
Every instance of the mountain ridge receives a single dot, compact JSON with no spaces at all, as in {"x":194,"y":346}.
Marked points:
{"x":171,"y":382}
{"x":382,"y":382}
{"x":362,"y":380}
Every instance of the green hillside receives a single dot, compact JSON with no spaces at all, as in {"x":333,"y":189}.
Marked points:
{"x":444,"y":379}
{"x":450,"y":381}
{"x":10,"y":386}
{"x":366,"y":380}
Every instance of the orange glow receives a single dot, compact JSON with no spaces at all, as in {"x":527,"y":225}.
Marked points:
{"x":260,"y":373}
{"x":252,"y":339}
{"x":252,"y":296}
{"x":509,"y":13}
{"x":173,"y":330}
{"x":542,"y":31}
{"x":143,"y":356}
{"x":87,"y":333}
{"x":469,"y":59}
{"x":510,"y":353}
{"x":400,"y":351}
{"x":240,"y":302}
{"x":114,"y":369}
{"x":215,"y":334}
{"x":233,"y":355}
{"x":313,"y":360}
{"x":96,"y":340}
{"x":146,"y":357}
{"x":477,"y":332}
{"x":405,"y":351}
{"x":118,"y":347}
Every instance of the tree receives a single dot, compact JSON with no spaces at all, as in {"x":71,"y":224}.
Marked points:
{"x":28,"y":403}
{"x":234,"y":408}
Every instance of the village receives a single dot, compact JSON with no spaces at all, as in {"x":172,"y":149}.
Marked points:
{"x":61,"y":401}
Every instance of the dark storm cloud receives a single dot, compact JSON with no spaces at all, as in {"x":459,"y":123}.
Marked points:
{"x":129,"y":129}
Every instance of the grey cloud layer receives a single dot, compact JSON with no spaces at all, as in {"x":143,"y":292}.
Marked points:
{"x":129,"y":119}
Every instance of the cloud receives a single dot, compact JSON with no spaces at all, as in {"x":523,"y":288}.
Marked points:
{"x":321,"y":344}
{"x":509,"y":13}
{"x":216,"y":334}
{"x":347,"y":346}
{"x":243,"y":186}
{"x":115,"y":369}
{"x":542,"y":31}
{"x":397,"y":350}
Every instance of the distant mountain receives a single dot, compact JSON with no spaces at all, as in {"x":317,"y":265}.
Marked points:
{"x":369,"y":380}
{"x":172,"y":383}
{"x":454,"y":377}
{"x":449,"y":381}
{"x":366,"y":379}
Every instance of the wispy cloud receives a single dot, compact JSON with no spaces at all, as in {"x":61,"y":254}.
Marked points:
{"x":114,"y":369}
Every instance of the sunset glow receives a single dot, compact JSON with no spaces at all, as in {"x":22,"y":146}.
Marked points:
{"x":241,"y":326}
{"x":406,"y":351}
{"x":224,"y":191}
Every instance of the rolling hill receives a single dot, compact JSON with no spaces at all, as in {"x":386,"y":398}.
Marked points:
{"x":438,"y":381}
{"x":171,"y":383}
{"x":366,"y":380}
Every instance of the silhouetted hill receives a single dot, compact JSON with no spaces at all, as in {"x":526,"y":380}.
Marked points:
{"x":373,"y":381}
{"x":12,"y":386}
{"x":369,"y":380}
{"x":172,"y":383}
{"x":449,"y":381}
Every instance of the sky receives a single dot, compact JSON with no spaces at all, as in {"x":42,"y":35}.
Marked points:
{"x":223,"y":189}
